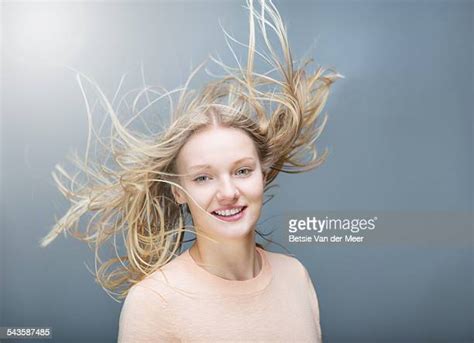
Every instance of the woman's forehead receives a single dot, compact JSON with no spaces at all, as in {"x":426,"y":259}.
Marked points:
{"x":230,"y":162}
{"x":217,"y":146}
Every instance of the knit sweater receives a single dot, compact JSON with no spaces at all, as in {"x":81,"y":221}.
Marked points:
{"x":183,"y":302}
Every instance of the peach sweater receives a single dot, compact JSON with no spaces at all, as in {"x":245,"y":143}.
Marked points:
{"x":185,"y":303}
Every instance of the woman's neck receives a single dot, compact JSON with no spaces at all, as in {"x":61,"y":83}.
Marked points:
{"x":236,"y":262}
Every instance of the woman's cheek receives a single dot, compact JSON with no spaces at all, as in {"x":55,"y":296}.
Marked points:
{"x":202,"y":194}
{"x":256,"y":187}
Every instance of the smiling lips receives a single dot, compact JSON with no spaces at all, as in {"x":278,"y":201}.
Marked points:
{"x":230,"y":215}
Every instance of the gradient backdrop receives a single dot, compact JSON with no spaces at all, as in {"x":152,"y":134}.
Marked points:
{"x":399,"y":136}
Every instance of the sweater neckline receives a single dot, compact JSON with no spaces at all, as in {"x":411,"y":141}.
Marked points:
{"x":255,"y":284}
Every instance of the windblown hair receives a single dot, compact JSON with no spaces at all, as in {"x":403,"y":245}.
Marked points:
{"x":133,"y":201}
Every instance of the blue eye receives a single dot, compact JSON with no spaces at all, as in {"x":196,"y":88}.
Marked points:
{"x":201,"y":179}
{"x":246,"y":171}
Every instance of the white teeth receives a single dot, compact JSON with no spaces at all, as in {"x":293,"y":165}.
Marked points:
{"x":229,"y":212}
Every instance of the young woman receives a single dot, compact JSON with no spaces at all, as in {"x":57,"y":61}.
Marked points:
{"x":210,"y":167}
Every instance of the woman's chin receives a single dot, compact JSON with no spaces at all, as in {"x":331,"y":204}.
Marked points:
{"x":230,"y":230}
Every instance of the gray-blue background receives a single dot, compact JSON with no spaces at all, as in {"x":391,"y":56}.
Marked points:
{"x":399,"y":135}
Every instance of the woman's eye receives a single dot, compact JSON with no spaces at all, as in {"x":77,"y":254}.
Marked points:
{"x":201,"y":179}
{"x":243,"y":171}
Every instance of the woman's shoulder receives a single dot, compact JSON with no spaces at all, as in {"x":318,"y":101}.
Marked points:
{"x":288,"y":264}
{"x":146,"y":314}
{"x":289,"y":271}
{"x":159,"y":284}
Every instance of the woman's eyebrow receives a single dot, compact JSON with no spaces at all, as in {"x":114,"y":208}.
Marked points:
{"x":207,"y":166}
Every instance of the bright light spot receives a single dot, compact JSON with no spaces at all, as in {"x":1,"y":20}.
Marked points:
{"x":50,"y":32}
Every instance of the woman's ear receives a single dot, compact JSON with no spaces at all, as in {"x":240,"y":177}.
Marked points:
{"x":178,"y":195}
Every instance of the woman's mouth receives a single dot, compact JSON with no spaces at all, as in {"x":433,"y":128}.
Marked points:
{"x":231,"y":215}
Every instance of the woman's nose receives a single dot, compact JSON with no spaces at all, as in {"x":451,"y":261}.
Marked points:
{"x":227,"y":191}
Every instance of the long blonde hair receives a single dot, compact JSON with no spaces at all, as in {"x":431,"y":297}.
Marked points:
{"x":278,"y":109}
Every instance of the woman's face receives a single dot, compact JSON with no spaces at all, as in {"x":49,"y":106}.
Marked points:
{"x":225,"y":178}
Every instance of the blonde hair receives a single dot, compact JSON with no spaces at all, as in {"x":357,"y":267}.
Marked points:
{"x":134,"y":201}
